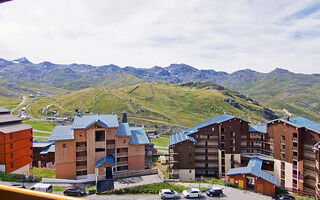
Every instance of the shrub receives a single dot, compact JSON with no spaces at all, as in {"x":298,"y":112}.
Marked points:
{"x":280,"y":190}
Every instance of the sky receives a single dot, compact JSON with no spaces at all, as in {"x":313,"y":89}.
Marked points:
{"x":207,"y":34}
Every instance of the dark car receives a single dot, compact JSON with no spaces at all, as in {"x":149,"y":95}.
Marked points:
{"x":18,"y":186}
{"x":283,"y":197}
{"x":75,"y":191}
{"x":214,"y":191}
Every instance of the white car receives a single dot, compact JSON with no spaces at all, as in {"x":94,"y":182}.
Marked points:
{"x":168,"y":194}
{"x":192,"y":193}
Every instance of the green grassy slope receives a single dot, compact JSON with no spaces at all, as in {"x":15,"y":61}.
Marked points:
{"x":151,"y":104}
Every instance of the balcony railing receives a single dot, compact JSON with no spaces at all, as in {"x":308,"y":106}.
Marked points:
{"x":79,"y":158}
{"x":81,"y":148}
{"x":207,"y":146}
{"x":206,"y":153}
{"x":208,"y":161}
{"x":83,"y":167}
{"x":122,"y":154}
{"x":110,"y":146}
{"x":308,"y":158}
{"x":309,"y":168}
{"x":122,"y":163}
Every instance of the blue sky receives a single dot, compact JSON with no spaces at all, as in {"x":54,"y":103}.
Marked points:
{"x":207,"y":34}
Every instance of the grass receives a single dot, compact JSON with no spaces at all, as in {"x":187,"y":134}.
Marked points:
{"x":10,"y":177}
{"x":41,"y":134}
{"x":40,"y":125}
{"x":148,"y":189}
{"x":151,"y":104}
{"x":58,"y":189}
{"x":43,"y":173}
{"x":161,"y":141}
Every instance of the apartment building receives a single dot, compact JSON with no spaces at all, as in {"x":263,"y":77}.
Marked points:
{"x":43,"y":154}
{"x":98,"y":146}
{"x":15,"y":144}
{"x":294,"y":158}
{"x":210,"y":149}
{"x":286,"y":147}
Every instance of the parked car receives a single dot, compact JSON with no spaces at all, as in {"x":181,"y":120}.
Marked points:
{"x":42,"y":187}
{"x":74,"y":191}
{"x":18,"y":185}
{"x":168,"y":194}
{"x":214,"y":191}
{"x":283,"y":197}
{"x":192,"y":193}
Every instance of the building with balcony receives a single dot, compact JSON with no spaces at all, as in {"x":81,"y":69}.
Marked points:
{"x":98,"y":146}
{"x":15,"y":144}
{"x":210,"y":149}
{"x":294,"y":158}
{"x":43,"y":154}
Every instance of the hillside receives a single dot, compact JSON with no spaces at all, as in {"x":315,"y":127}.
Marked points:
{"x":298,"y":93}
{"x":155,"y":104}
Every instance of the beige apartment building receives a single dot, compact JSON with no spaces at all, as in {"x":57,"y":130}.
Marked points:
{"x":98,"y":146}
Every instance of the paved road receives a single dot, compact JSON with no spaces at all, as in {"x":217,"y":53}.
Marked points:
{"x":47,"y":132}
{"x":20,"y":104}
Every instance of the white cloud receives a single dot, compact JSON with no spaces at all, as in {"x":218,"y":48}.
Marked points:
{"x":221,"y":35}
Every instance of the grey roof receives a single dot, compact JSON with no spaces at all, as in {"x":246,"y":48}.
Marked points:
{"x":180,"y":137}
{"x":138,"y":136}
{"x":108,"y":159}
{"x":258,"y":128}
{"x":3,"y":110}
{"x":254,"y":168}
{"x":8,"y":118}
{"x":261,"y":156}
{"x":301,"y":122}
{"x":216,"y":120}
{"x":62,"y":133}
{"x":123,"y":130}
{"x":14,"y":128}
{"x":85,"y":121}
{"x":37,"y":144}
{"x":50,"y":149}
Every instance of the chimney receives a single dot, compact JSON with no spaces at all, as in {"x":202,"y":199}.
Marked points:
{"x":124,"y":117}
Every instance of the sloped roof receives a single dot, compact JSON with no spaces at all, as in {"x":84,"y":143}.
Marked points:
{"x":50,"y":149}
{"x":215,"y":120}
{"x":138,"y":136}
{"x":180,"y":137}
{"x":108,"y":159}
{"x":37,"y":144}
{"x":62,"y":133}
{"x":85,"y":121}
{"x":301,"y":122}
{"x":190,"y":131}
{"x":3,"y":110}
{"x":258,"y":128}
{"x":14,"y":128}
{"x":123,"y":130}
{"x":254,"y":168}
{"x":8,"y":118}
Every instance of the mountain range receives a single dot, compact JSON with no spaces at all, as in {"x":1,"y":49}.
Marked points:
{"x":279,"y":89}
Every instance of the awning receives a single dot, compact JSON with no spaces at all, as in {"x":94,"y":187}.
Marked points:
{"x":108,"y":160}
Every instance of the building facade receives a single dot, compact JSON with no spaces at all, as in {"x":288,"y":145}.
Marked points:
{"x":15,"y":144}
{"x":213,"y":147}
{"x":98,"y":146}
{"x":43,"y":154}
{"x":294,"y":159}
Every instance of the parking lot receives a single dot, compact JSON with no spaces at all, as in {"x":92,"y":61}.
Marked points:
{"x":229,"y":193}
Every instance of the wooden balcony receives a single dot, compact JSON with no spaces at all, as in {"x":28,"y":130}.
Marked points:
{"x":81,"y":158}
{"x":110,"y":146}
{"x":83,"y":167}
{"x":206,"y":153}
{"x":122,"y":154}
{"x":309,"y":168}
{"x":206,"y":161}
{"x":81,"y":148}
{"x":122,"y":163}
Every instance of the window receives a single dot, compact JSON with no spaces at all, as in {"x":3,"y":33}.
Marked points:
{"x":189,"y":154}
{"x":282,"y":183}
{"x":222,"y":138}
{"x":283,"y":137}
{"x":64,"y":145}
{"x":100,"y":149}
{"x":11,"y":136}
{"x":31,"y":156}
{"x":222,"y":129}
{"x":123,"y":141}
{"x":30,"y":139}
{"x":223,"y":169}
{"x":11,"y":155}
{"x":295,"y":172}
{"x":295,"y":144}
{"x":11,"y":146}
{"x":294,"y":181}
{"x":282,"y":165}
{"x":11,"y":165}
{"x":283,"y":155}
{"x":295,"y":163}
{"x":283,"y":146}
{"x":31,"y":132}
{"x":295,"y":135}
{"x":295,"y":153}
{"x":232,"y":157}
{"x":222,"y":162}
{"x":283,"y":174}
{"x":100,"y":136}
{"x":80,"y":134}
{"x":189,"y":171}
{"x":208,"y":136}
{"x":222,"y":153}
